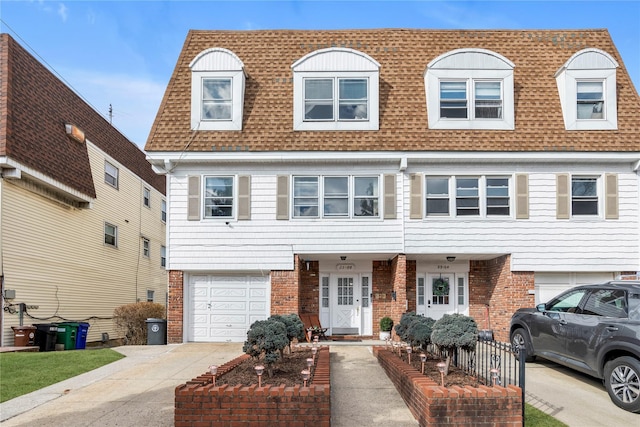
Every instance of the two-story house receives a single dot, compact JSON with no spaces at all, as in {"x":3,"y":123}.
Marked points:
{"x":363,"y":173}
{"x":82,"y":214}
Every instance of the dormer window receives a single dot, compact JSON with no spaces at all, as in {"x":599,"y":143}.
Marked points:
{"x":470,"y":89}
{"x":217,"y":90}
{"x":587,"y":89}
{"x":335,"y":89}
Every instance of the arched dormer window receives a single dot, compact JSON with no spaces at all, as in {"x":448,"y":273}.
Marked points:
{"x":217,"y":90}
{"x":470,"y":89}
{"x":587,"y":89}
{"x":336,"y":89}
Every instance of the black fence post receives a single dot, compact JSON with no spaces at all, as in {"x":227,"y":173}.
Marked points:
{"x":521,"y":358}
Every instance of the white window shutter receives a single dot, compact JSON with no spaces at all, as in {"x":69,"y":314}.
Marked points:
{"x":193,"y":201}
{"x":522,"y":196}
{"x":390,"y":197}
{"x":282,"y":202}
{"x":415,"y":196}
{"x":611,"y":196}
{"x":563,"y":196}
{"x":244,"y":197}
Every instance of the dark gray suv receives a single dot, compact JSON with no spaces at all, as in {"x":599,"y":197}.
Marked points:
{"x":594,"y":329}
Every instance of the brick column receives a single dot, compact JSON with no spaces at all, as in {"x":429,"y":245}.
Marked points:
{"x":285,"y":292}
{"x":175,"y":310}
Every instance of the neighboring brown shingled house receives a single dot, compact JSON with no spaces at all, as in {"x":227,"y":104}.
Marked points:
{"x":71,"y":244}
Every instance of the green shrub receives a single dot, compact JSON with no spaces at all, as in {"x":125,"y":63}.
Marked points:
{"x":265,"y":341}
{"x":419,"y":331}
{"x":131,"y":320}
{"x":453,"y":331}
{"x":402,"y":327}
{"x":295,"y":327}
{"x":386,"y":324}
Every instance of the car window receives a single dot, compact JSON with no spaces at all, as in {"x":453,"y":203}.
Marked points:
{"x":607,"y":302}
{"x":567,"y":302}
{"x":634,"y":306}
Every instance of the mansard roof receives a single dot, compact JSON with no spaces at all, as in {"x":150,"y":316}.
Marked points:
{"x":403,"y":55}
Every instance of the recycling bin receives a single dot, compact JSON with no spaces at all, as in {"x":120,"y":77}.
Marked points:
{"x":24,"y":336}
{"x":67,"y":332}
{"x":156,"y":331}
{"x":81,"y":335}
{"x":46,"y":336}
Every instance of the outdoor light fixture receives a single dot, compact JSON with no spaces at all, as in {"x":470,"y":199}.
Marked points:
{"x":314,"y":350}
{"x":441,"y":367}
{"x":409,"y":349}
{"x":309,"y":363}
{"x":343,"y":258}
{"x":259,"y":370}
{"x":423,"y":359}
{"x":213,"y":369}
{"x":305,"y":376}
{"x":494,"y":376}
{"x":451,"y":258}
{"x":308,"y":263}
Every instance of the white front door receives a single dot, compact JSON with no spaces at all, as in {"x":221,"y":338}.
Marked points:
{"x":440,"y":294}
{"x":345,"y":318}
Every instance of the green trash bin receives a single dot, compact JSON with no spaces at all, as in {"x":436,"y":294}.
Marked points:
{"x":67,"y":332}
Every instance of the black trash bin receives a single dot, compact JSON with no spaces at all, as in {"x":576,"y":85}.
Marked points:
{"x":156,"y":331}
{"x":46,"y":336}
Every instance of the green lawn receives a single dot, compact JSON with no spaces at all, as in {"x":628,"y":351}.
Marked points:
{"x":534,"y":417}
{"x":23,"y":372}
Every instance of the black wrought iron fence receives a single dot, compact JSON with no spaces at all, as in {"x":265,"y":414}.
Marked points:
{"x":492,"y":362}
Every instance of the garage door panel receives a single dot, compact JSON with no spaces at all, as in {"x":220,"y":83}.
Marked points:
{"x":224,"y":307}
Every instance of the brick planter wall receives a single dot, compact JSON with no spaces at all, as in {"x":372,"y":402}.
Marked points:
{"x":433,"y":405}
{"x":199,"y":403}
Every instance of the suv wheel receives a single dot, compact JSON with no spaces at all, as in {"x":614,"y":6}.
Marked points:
{"x":622,"y":380}
{"x":520,"y":341}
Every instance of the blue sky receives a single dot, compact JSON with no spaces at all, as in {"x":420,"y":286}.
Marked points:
{"x":122,"y":53}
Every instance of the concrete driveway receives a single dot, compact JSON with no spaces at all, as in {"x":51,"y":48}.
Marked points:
{"x":572,"y":397}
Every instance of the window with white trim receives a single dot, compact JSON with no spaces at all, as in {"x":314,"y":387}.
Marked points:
{"x":470,"y":89}
{"x":587,"y":89}
{"x":163,"y":256}
{"x":336,"y":89}
{"x":339,"y":196}
{"x":163,"y":210}
{"x":218,"y":196}
{"x":150,"y":295}
{"x":217,"y":90}
{"x":111,"y":174}
{"x":584,"y":195}
{"x":483,"y":196}
{"x":146,"y":197}
{"x":590,"y":100}
{"x":110,"y":235}
{"x":146,"y":247}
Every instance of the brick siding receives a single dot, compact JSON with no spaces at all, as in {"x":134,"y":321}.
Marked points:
{"x":200,"y":403}
{"x":175,"y":309}
{"x":433,"y":405}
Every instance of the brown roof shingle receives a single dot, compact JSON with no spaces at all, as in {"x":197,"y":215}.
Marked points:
{"x":403,"y":55}
{"x":34,"y":107}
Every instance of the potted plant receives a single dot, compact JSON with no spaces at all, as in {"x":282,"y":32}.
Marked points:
{"x":386,"y":325}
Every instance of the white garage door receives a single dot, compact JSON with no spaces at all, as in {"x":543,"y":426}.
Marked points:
{"x":222,"y":308}
{"x":548,"y":285}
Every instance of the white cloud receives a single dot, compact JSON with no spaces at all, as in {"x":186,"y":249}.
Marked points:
{"x":63,"y":11}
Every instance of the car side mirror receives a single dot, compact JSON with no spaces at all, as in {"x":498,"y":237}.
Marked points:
{"x":541,"y":307}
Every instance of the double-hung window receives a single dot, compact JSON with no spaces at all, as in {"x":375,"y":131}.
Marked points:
{"x":110,"y":174}
{"x":339,"y":196}
{"x":146,"y":247}
{"x":467,"y":197}
{"x":110,"y":235}
{"x":146,"y":197}
{"x":336,"y":89}
{"x":218,"y":197}
{"x":217,"y":99}
{"x":483,"y":196}
{"x":163,"y":256}
{"x":163,"y":211}
{"x":584,"y":195}
{"x":497,"y":192}
{"x":590,"y":100}
{"x":437,"y":196}
{"x":470,"y":89}
{"x":341,"y":99}
{"x":457,"y":97}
